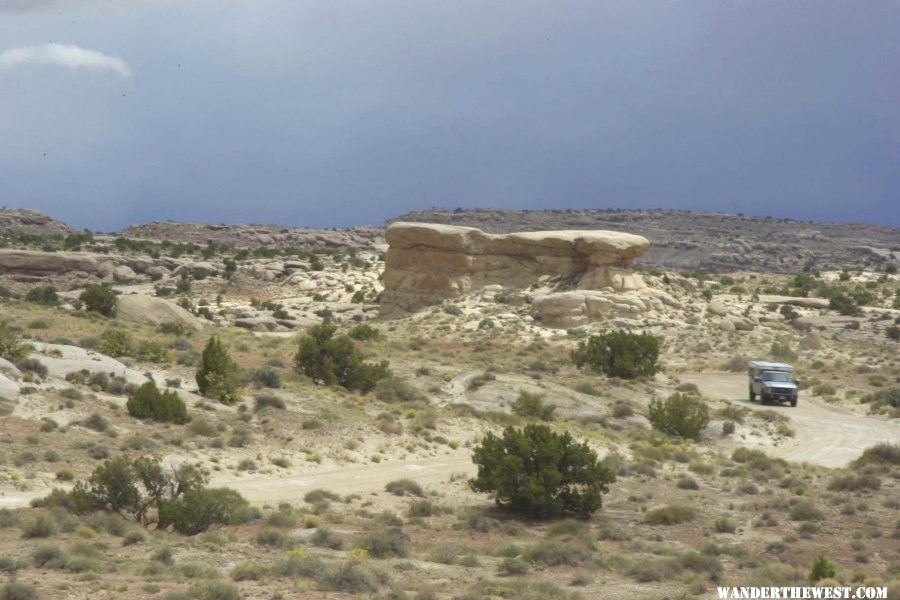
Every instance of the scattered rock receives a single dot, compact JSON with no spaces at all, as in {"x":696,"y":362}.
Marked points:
{"x":265,"y":323}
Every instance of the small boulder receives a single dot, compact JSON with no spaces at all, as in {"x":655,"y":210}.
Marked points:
{"x":717,"y":308}
{"x":9,"y":369}
{"x":9,"y":389}
{"x":123,"y":273}
{"x":257,"y":323}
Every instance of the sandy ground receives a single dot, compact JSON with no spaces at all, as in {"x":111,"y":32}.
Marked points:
{"x":826,"y":435}
{"x":351,"y":479}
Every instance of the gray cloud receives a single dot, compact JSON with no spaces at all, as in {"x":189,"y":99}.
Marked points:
{"x":18,"y":6}
{"x":62,"y":55}
{"x":339,"y":113}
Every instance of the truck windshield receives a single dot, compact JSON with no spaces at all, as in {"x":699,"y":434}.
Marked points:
{"x":775,"y":376}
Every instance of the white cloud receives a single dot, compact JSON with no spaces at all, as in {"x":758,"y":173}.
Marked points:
{"x":70,"y":57}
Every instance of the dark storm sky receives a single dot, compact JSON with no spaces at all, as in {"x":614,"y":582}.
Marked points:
{"x":340,"y":113}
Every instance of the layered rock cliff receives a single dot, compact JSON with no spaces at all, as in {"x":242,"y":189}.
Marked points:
{"x":428,"y":263}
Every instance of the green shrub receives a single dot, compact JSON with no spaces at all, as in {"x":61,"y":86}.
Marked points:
{"x":821,"y":569}
{"x":41,"y":526}
{"x":805,"y":511}
{"x":45,"y":295}
{"x":33,"y":365}
{"x":882,"y":400}
{"x":96,"y":422}
{"x":10,"y":347}
{"x":384,"y":543}
{"x":348,"y":576}
{"x":49,"y":556}
{"x":16,"y":590}
{"x":673,"y":514}
{"x":148,"y":403}
{"x":844,"y":304}
{"x":619,"y":353}
{"x":265,"y":377}
{"x":540,"y":473}
{"x":198,"y":509}
{"x":512,"y":566}
{"x":249,"y":571}
{"x":880,"y":454}
{"x":218,"y":375}
{"x":99,"y":299}
{"x":326,"y":538}
{"x":422,"y":508}
{"x":529,"y":405}
{"x":336,"y":361}
{"x":394,"y":390}
{"x":724,"y":525}
{"x":553,"y":553}
{"x":297,"y":564}
{"x":215,"y":590}
{"x":404,"y":487}
{"x":853,"y":483}
{"x":153,"y":351}
{"x":264,"y":401}
{"x":136,"y":487}
{"x":115,"y":342}
{"x":681,"y":414}
{"x":364,"y":332}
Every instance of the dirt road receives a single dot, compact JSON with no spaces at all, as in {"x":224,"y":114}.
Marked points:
{"x":351,"y":479}
{"x":826,"y":435}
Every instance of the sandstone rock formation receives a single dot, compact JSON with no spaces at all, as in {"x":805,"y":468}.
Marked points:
{"x":62,"y":359}
{"x":156,"y":311}
{"x":31,"y":222}
{"x":428,"y":263}
{"x":32,"y":262}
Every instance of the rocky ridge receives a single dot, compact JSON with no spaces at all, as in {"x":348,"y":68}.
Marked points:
{"x":31,"y":222}
{"x":255,"y":236}
{"x":709,"y":241}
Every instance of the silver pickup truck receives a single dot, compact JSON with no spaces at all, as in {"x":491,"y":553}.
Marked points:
{"x":772,"y":382}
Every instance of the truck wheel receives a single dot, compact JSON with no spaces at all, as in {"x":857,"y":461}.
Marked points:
{"x":764,"y":399}
{"x":752,"y":396}
{"x":794,"y":402}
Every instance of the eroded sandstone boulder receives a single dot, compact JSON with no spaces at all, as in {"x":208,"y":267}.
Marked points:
{"x":33,"y":262}
{"x":428,"y":263}
{"x":156,"y":311}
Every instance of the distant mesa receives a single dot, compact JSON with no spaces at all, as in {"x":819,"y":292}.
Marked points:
{"x":428,"y":263}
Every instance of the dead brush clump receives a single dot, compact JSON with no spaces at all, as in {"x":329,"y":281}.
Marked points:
{"x":673,"y":514}
{"x":850,"y":482}
{"x":732,"y":413}
{"x":521,"y":590}
{"x":387,"y":423}
{"x":551,"y":553}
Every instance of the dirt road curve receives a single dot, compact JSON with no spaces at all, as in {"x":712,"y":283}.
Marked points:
{"x":351,"y":479}
{"x":826,"y":435}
